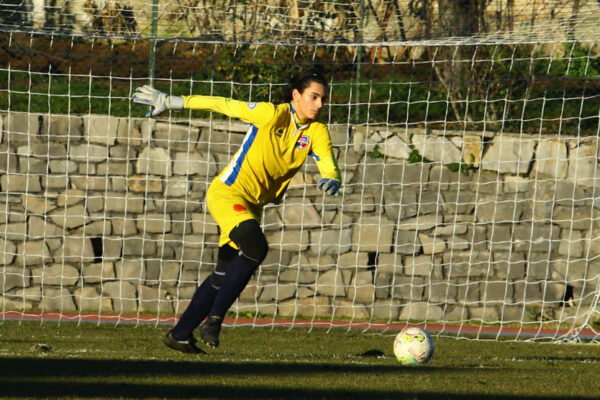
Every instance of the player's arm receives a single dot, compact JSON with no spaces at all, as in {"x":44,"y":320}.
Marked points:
{"x":254,"y":113}
{"x":322,"y":151}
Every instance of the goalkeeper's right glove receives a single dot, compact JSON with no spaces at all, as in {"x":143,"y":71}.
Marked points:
{"x":156,"y":99}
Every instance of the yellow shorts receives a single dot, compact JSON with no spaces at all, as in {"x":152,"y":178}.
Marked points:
{"x":229,"y":208}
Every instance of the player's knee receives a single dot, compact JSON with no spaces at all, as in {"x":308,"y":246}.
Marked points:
{"x":215,"y":279}
{"x":251,"y":240}
{"x":224,"y":257}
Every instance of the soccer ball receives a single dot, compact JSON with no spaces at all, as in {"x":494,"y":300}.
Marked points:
{"x":413,"y":346}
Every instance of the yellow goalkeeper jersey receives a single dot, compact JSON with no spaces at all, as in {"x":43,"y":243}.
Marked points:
{"x":274,"y":148}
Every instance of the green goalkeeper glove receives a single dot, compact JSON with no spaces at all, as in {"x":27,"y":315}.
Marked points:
{"x":329,"y":186}
{"x":156,"y":99}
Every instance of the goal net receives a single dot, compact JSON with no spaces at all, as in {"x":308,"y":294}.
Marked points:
{"x":466,"y":133}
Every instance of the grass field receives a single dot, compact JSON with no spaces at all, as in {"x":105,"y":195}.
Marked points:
{"x":68,"y":361}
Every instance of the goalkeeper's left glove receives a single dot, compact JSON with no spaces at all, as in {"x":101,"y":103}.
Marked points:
{"x":156,"y":99}
{"x":329,"y":186}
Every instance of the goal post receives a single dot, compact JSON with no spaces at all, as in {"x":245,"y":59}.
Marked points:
{"x":468,"y":149}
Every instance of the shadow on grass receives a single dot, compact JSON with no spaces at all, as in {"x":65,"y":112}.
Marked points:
{"x":140,"y":391}
{"x":43,"y":368}
{"x":43,"y":378}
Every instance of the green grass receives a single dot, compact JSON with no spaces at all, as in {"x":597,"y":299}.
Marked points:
{"x":68,"y":361}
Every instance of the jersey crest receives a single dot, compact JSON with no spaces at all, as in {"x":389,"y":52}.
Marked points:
{"x":239,"y":208}
{"x":303,"y":142}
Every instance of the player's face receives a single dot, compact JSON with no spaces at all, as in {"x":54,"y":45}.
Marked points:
{"x":308,"y":103}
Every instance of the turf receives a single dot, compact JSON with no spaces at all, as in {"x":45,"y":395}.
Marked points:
{"x":70,"y":361}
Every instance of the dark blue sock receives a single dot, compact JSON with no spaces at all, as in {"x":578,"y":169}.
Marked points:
{"x":235,"y":280}
{"x":194,"y":314}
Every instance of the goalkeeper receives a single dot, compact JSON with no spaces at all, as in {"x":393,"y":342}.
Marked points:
{"x":278,"y":141}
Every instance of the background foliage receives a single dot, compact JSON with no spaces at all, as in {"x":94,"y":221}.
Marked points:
{"x":517,"y":88}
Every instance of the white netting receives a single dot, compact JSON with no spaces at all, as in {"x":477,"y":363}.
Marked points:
{"x":469,"y":156}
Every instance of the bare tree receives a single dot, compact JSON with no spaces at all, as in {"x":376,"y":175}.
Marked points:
{"x":452,"y":65}
{"x":461,"y":17}
{"x":573,"y":19}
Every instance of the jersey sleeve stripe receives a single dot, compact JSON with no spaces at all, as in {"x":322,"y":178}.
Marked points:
{"x":232,"y":172}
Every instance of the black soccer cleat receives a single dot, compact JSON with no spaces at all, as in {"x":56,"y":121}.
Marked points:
{"x":185,"y":346}
{"x":211,"y":330}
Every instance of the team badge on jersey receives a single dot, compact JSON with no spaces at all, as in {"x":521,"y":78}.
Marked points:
{"x":303,"y":142}
{"x":252,"y":105}
{"x":239,"y":208}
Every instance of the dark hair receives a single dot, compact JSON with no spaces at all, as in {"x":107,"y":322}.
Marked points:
{"x":302,"y":81}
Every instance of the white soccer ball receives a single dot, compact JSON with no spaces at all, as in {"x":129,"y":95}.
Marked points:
{"x":413,"y":346}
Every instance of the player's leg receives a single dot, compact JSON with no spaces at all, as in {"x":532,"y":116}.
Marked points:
{"x":200,"y":305}
{"x":249,"y":237}
{"x":230,"y":210}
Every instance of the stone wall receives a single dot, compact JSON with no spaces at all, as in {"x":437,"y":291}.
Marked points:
{"x":107,"y":214}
